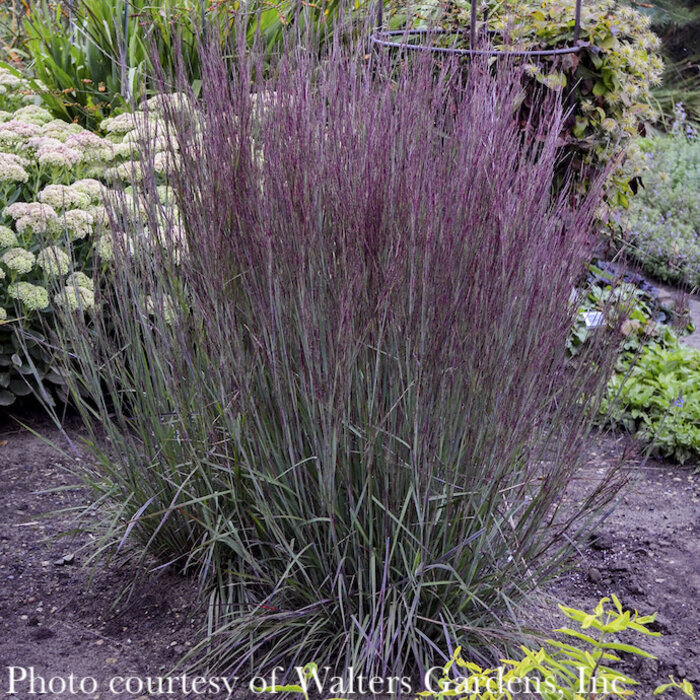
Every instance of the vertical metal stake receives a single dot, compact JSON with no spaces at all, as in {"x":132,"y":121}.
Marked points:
{"x":71,"y":19}
{"x":126,"y":90}
{"x":472,"y":28}
{"x":577,"y":21}
{"x":380,"y":14}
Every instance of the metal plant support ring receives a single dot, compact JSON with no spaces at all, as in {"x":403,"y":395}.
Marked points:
{"x":386,"y":38}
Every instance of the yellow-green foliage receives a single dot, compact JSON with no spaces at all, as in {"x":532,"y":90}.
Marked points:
{"x":574,"y":667}
{"x":577,"y":666}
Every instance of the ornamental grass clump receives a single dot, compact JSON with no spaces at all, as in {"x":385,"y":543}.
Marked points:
{"x":348,"y":406}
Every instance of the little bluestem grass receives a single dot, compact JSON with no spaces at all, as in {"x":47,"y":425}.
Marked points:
{"x":348,"y":408}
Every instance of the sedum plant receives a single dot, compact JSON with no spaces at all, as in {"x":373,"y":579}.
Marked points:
{"x":54,"y":183}
{"x":49,"y":209}
{"x":348,"y":408}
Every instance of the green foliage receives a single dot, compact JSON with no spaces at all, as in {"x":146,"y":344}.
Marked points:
{"x":94,"y":57}
{"x":572,"y":668}
{"x":678,"y":22}
{"x":658,"y":400}
{"x":655,"y":391}
{"x":575,"y":667}
{"x":631,"y":309}
{"x":273,"y":23}
{"x":662,"y":226}
{"x":607,"y":83}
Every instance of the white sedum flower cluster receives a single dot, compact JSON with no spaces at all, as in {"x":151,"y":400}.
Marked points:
{"x":7,"y":237}
{"x":167,"y":103}
{"x":34,"y":217}
{"x":57,"y":177}
{"x":54,"y":261}
{"x":121,"y":124}
{"x":9,"y":79}
{"x":64,"y":197}
{"x":74,"y":297}
{"x":77,"y":223}
{"x":32,"y":296}
{"x":19,"y":260}
{"x":58,"y":156}
{"x":80,"y":279}
{"x":13,"y":168}
{"x":91,"y":187}
{"x":34,"y":114}
{"x":143,"y":146}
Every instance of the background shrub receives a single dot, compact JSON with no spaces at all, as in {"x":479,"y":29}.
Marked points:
{"x":349,"y":409}
{"x":662,"y":226}
{"x":657,"y":399}
{"x":607,"y":83}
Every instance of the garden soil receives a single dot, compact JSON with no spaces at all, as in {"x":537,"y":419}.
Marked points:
{"x":59,"y":615}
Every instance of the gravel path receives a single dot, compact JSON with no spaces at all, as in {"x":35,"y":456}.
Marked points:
{"x":693,"y":340}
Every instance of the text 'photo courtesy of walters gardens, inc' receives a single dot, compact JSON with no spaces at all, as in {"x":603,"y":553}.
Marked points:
{"x":21,"y":682}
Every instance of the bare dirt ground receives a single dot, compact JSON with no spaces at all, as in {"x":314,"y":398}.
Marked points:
{"x":647,"y":552}
{"x":52,"y":617}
